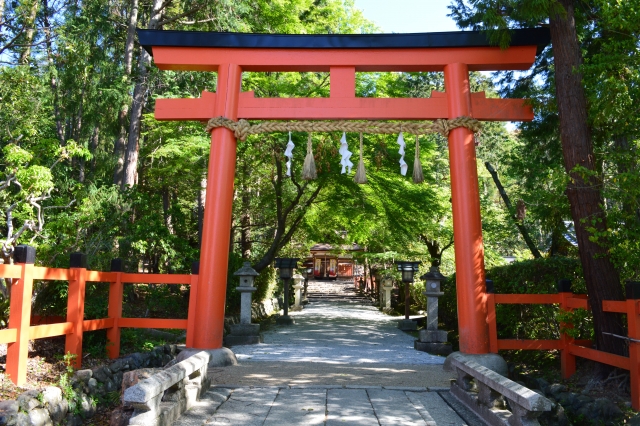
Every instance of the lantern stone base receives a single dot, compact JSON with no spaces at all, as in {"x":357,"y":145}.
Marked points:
{"x":231,"y":340}
{"x":244,"y":329}
{"x":243,"y":334}
{"x":285,"y":320}
{"x":407,"y":325}
{"x":443,"y":349}
{"x":433,"y":336}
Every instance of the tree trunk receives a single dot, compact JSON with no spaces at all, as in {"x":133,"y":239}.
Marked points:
{"x":523,"y":231}
{"x":245,"y":216}
{"x":245,"y":226}
{"x":435,"y":253}
{"x":166,"y":210}
{"x":29,"y":25}
{"x":137,"y":105}
{"x":119,"y":146}
{"x":585,"y":198}
{"x":1,"y":13}
{"x":78,"y":134}
{"x":53,"y":81}
{"x":93,"y":146}
{"x":282,"y":234}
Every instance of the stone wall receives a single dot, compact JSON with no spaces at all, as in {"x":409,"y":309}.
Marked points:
{"x":54,"y":405}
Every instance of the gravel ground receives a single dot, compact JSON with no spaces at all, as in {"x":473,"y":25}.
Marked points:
{"x":337,"y":332}
{"x":335,"y":342}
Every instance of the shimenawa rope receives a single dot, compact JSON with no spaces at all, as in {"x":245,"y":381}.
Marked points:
{"x":242,"y":128}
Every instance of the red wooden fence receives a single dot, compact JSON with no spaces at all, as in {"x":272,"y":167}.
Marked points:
{"x":568,"y":347}
{"x":20,"y":331}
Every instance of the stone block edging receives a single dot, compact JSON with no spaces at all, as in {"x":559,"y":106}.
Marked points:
{"x":50,"y":404}
{"x":163,"y":397}
{"x":525,"y":405}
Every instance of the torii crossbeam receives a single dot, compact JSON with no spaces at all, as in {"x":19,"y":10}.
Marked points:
{"x":454,"y":53}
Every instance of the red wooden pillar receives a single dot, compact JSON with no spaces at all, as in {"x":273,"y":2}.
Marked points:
{"x":633,"y":320}
{"x":20,"y":315}
{"x":115,"y":310}
{"x":467,"y":226}
{"x":75,"y":306}
{"x":214,"y":254}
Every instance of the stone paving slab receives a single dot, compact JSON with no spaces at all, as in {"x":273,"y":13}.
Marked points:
{"x":349,"y":406}
{"x":298,"y":407}
{"x":394,"y":408}
{"x":244,"y":407}
{"x":434,"y":410}
{"x":329,"y":407}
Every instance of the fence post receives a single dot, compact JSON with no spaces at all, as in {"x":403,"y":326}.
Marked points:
{"x":115,"y":310}
{"x":633,"y":319}
{"x":490,"y":299}
{"x":193,"y":296}
{"x":20,"y":315}
{"x":567,"y":360}
{"x":75,"y":306}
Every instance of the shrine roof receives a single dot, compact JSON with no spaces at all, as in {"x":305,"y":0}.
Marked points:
{"x":329,"y":247}
{"x":519,"y":37}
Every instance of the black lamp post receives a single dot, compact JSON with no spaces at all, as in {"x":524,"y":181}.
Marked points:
{"x":408,"y":270}
{"x":286,"y":266}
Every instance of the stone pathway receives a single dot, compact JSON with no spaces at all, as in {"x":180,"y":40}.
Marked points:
{"x":343,"y":362}
{"x":337,"y":332}
{"x":327,"y":405}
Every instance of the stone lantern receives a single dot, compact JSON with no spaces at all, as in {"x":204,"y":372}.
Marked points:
{"x":385,"y":300}
{"x":244,"y":333}
{"x":298,"y":285}
{"x":431,"y":339}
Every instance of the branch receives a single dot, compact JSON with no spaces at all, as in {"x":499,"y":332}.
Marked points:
{"x":523,"y":231}
{"x":10,"y":43}
{"x":60,"y":207}
{"x":182,"y":15}
{"x":446,"y":247}
{"x":7,"y":183}
{"x":197,"y":22}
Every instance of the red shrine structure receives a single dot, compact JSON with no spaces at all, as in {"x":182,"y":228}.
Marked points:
{"x":454,"y":53}
{"x":331,"y":262}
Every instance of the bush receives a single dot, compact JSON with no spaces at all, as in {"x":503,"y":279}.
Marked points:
{"x":537,"y":276}
{"x":267,"y":283}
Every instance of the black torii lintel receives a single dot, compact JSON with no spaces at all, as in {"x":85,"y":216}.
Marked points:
{"x":519,"y":37}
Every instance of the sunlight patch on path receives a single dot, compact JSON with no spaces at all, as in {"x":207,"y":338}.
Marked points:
{"x":337,"y":332}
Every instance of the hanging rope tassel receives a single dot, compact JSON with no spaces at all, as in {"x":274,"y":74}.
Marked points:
{"x":418,"y":177}
{"x":309,"y":169}
{"x":361,"y":175}
{"x":289,"y":154}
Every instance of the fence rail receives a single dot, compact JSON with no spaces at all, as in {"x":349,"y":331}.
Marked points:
{"x":20,"y":330}
{"x":569,"y":347}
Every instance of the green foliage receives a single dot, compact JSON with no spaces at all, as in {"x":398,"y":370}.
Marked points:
{"x":64,"y":383}
{"x":4,"y":311}
{"x":535,"y":276}
{"x":266,"y":283}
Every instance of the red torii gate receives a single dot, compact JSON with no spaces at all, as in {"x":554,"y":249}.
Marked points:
{"x":455,"y":53}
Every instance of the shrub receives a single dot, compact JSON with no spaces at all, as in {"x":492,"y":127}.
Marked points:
{"x":536,"y":276}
